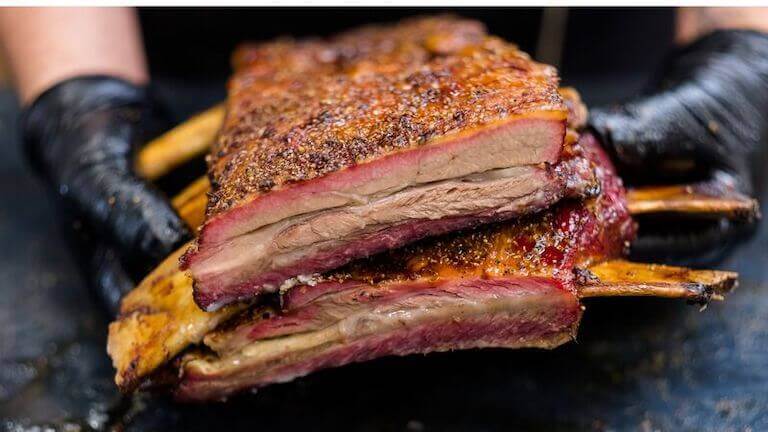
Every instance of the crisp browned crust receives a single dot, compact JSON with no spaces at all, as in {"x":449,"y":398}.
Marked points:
{"x":157,"y":320}
{"x":298,"y":110}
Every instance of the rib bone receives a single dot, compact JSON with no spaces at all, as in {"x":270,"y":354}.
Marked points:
{"x":620,"y":278}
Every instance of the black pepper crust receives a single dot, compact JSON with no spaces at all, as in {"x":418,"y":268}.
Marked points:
{"x":298,"y":110}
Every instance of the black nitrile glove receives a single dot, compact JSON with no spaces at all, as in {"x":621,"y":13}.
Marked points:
{"x":705,"y":118}
{"x":81,"y":135}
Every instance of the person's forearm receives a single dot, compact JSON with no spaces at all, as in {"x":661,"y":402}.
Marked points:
{"x":693,"y":23}
{"x":47,"y":45}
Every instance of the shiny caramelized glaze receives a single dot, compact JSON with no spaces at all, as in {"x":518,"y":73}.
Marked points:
{"x":298,"y":110}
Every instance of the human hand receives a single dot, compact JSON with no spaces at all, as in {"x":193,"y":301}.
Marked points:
{"x":81,"y":135}
{"x":705,"y":118}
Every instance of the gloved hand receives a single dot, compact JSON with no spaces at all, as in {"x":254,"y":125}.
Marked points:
{"x":81,"y":135}
{"x":704,"y":118}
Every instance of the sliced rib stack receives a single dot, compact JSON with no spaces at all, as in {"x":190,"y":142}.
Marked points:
{"x":511,"y":284}
{"x":392,"y":190}
{"x":338,"y":149}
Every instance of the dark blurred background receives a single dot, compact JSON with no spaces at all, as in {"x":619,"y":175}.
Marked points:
{"x":639,"y":364}
{"x":617,"y":48}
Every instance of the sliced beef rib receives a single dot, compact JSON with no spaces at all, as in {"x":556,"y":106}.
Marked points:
{"x":510,"y":285}
{"x":333,"y":150}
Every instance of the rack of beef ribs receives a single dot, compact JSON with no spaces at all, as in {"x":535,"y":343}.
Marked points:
{"x":350,"y":214}
{"x":333,"y":150}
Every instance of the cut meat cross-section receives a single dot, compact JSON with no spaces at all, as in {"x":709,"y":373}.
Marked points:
{"x":337,"y":149}
{"x":510,"y":284}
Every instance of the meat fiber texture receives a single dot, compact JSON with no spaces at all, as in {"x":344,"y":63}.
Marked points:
{"x":512,"y":284}
{"x":159,"y":319}
{"x":341,"y":148}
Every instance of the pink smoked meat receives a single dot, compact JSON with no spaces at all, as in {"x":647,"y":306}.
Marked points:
{"x":334,"y":150}
{"x":509,"y":284}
